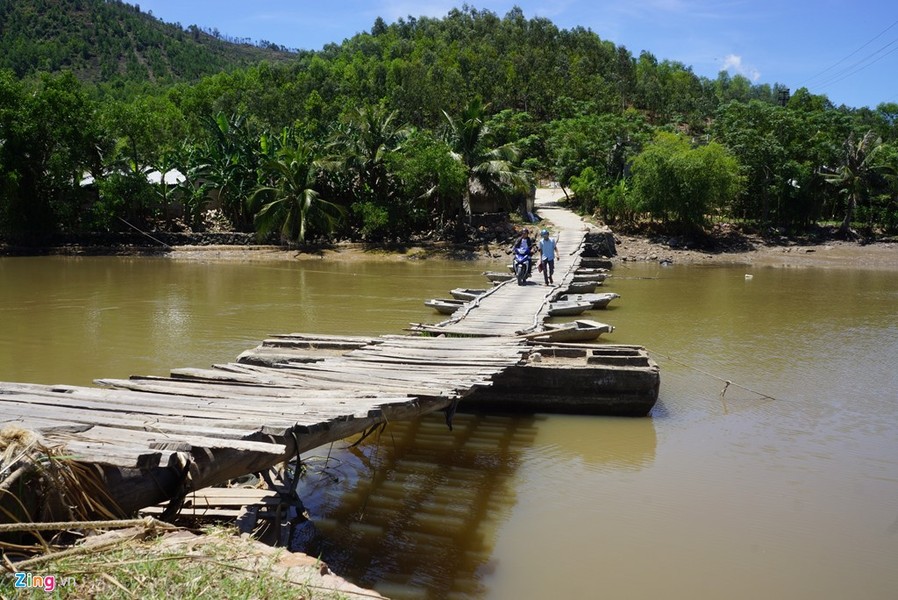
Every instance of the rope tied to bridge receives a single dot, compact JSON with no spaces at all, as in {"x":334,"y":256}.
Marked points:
{"x":727,"y":382}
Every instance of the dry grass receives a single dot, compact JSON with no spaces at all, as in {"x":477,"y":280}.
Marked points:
{"x":215,"y":564}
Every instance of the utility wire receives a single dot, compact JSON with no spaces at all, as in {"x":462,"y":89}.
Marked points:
{"x":858,"y":65}
{"x":840,"y":61}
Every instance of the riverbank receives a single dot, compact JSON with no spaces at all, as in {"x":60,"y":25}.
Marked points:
{"x":787,"y":253}
{"x":723,"y":244}
{"x":630,"y":248}
{"x":160,"y":561}
{"x":751,"y":251}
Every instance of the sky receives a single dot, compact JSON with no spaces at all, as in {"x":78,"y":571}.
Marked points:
{"x":847,"y":50}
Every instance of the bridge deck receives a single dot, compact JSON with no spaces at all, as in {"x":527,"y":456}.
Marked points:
{"x":154,"y":438}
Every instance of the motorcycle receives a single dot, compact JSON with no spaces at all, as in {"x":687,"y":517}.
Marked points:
{"x":522,"y":264}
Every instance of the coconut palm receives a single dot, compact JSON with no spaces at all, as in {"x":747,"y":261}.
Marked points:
{"x":489,"y":169}
{"x":363,"y":148}
{"x":360,"y":153}
{"x":288,"y":201}
{"x":855,"y":176}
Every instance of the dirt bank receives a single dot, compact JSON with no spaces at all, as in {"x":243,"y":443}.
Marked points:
{"x":832,"y":254}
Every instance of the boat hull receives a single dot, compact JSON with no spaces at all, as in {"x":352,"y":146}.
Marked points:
{"x":599,"y":301}
{"x":612,"y":381}
{"x":444,"y":306}
{"x":466,"y":294}
{"x":568,"y":308}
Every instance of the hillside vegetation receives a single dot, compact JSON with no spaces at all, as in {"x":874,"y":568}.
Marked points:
{"x":408,"y":129}
{"x":113,"y":42}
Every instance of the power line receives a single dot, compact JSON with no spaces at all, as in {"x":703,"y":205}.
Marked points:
{"x":848,"y":73}
{"x":848,"y":70}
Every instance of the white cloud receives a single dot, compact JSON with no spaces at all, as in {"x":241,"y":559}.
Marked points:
{"x":733,"y":62}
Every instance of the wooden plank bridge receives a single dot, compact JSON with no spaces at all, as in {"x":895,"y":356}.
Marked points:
{"x":151,"y":439}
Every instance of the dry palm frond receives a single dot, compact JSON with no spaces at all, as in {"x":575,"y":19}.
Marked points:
{"x":41,"y":483}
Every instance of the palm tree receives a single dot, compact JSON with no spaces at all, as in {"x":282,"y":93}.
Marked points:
{"x":490,"y":169}
{"x":360,"y":152}
{"x":288,"y":201}
{"x":855,"y":176}
{"x":372,"y":136}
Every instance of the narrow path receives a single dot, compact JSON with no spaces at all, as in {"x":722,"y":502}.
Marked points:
{"x":509,"y":309}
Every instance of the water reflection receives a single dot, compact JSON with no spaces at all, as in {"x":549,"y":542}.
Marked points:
{"x":414,"y":512}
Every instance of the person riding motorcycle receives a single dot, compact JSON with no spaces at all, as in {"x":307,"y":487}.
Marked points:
{"x":523,"y":251}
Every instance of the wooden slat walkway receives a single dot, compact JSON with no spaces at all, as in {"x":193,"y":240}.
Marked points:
{"x":153,"y":438}
{"x":509,"y":309}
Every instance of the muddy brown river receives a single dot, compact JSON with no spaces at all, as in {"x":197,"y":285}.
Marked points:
{"x":782,"y":483}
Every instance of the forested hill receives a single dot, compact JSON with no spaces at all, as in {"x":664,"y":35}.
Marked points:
{"x":400,"y":129}
{"x":111,"y":41}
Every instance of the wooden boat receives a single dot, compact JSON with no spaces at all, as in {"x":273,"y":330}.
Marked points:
{"x":581,"y":330}
{"x":563,"y":308}
{"x":582,"y":287}
{"x":444,"y":306}
{"x":497,"y":276}
{"x":589,"y":271}
{"x":595,"y":262}
{"x":466,"y":293}
{"x":599,"y":301}
{"x":597,"y":277}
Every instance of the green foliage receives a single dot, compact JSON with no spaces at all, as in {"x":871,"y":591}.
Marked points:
{"x":124,"y":195}
{"x":491,"y":101}
{"x":374,"y":220}
{"x":491,"y":170}
{"x":858,"y":175}
{"x":229,"y":161}
{"x":782,"y":151}
{"x":429,"y":178}
{"x":113,"y":42}
{"x":48,"y":139}
{"x":288,"y":201}
{"x":606,"y":143}
{"x":677,"y":182}
{"x":613,"y":203}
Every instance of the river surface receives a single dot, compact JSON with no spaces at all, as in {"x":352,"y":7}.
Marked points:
{"x":781,"y":484}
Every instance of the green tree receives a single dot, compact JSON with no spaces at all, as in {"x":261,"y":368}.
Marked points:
{"x":288,"y":201}
{"x":360,"y":151}
{"x":855,"y":176}
{"x":605,"y":143}
{"x":48,"y":140}
{"x":674,"y":181}
{"x":428,"y":175}
{"x":492,"y":169}
{"x":781,"y":151}
{"x":230,"y":165}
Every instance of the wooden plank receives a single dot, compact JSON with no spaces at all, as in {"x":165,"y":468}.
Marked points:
{"x":197,"y":512}
{"x":161,"y":441}
{"x":60,"y":415}
{"x":226,"y":408}
{"x":92,"y":452}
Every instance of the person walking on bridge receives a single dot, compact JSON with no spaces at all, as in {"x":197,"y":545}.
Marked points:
{"x":547,"y":248}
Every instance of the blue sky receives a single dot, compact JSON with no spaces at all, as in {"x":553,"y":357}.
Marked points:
{"x":846,"y":50}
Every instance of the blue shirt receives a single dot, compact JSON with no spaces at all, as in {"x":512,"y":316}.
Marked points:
{"x":547,"y":248}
